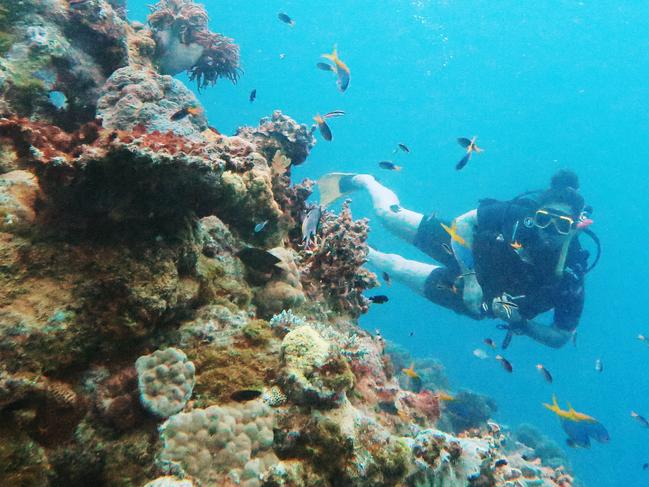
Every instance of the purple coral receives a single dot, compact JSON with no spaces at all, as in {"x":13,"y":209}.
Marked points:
{"x":184,"y":42}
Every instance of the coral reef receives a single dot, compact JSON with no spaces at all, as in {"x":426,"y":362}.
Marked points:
{"x":128,"y":226}
{"x":165,"y":380}
{"x":469,"y":410}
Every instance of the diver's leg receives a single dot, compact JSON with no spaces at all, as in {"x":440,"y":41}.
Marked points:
{"x":409,"y":272}
{"x":403,"y":223}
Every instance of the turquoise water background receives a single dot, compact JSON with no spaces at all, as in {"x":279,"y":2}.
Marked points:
{"x":544,"y":85}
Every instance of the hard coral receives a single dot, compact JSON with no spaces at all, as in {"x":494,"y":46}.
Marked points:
{"x":184,"y":42}
{"x":220,"y":444}
{"x":134,"y":96}
{"x":280,"y":132}
{"x":334,"y":266}
{"x":312,"y":372}
{"x":165,"y":380}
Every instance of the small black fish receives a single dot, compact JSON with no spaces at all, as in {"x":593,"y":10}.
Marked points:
{"x":395,"y":208}
{"x":490,"y":343}
{"x":325,"y":131}
{"x":325,"y":66}
{"x":545,"y":373}
{"x":412,"y":333}
{"x":253,"y":95}
{"x":403,"y":147}
{"x":505,"y":363}
{"x":245,"y":395}
{"x":645,"y":466}
{"x":389,"y":165}
{"x":463,"y":162}
{"x":500,"y":463}
{"x":286,"y":19}
{"x":387,"y":279}
{"x":640,"y":419}
{"x":380,"y":299}
{"x":334,"y":113}
{"x":183,"y":112}
{"x":311,"y":224}
{"x":471,"y":147}
{"x":258,"y":259}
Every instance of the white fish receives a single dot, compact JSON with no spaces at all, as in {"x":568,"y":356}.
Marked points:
{"x":599,"y":367}
{"x":481,"y":354}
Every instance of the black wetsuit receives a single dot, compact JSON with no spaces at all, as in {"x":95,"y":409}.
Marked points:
{"x":499,"y":268}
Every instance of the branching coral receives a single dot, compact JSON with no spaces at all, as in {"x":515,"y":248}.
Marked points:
{"x":184,"y":42}
{"x":334,"y":266}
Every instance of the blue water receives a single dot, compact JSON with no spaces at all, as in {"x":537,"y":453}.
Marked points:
{"x":544,"y":85}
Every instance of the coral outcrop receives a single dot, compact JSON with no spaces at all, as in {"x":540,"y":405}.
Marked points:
{"x":162,"y":320}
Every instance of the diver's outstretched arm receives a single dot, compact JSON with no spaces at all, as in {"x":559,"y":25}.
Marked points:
{"x":552,"y":336}
{"x":400,"y":221}
{"x":409,"y":272}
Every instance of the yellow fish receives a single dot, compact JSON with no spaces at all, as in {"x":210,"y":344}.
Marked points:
{"x":516,"y":245}
{"x":570,"y":414}
{"x":452,"y":231}
{"x":410,"y":372}
{"x":445,"y":396}
{"x":341,"y":69}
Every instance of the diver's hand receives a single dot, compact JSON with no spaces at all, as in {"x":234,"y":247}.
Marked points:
{"x":472,"y":295}
{"x":505,"y":308}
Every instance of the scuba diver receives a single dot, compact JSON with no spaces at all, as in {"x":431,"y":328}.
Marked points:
{"x":507,"y":260}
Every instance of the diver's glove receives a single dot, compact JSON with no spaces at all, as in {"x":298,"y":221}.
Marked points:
{"x":505,"y":308}
{"x":472,"y":294}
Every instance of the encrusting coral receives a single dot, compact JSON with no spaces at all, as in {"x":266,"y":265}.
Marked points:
{"x":125,"y":222}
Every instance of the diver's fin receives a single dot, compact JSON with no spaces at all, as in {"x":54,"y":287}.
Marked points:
{"x":331,"y":188}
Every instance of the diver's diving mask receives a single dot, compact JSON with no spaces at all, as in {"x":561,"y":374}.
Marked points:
{"x":562,"y":224}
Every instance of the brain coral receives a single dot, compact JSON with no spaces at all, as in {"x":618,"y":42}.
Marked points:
{"x":166,"y":380}
{"x":221,"y":443}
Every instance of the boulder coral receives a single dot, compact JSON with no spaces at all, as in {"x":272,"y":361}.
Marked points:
{"x":165,"y":380}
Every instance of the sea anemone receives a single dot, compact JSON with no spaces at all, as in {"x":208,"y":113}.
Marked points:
{"x":184,"y":43}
